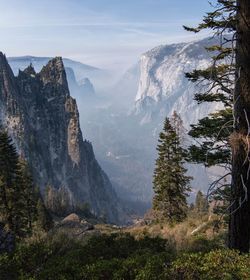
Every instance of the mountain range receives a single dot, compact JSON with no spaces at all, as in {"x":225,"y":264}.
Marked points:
{"x":124,"y":123}
{"x":127,"y":130}
{"x":101,"y":78}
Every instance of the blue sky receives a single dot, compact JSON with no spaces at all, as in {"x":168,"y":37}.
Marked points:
{"x":105,"y":33}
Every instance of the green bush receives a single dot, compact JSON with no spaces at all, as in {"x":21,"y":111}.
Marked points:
{"x":121,"y":257}
{"x":200,"y":243}
{"x":117,"y":256}
{"x":218,"y":264}
{"x":154,"y":268}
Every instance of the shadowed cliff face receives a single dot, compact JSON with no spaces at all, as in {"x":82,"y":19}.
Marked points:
{"x":43,"y":120}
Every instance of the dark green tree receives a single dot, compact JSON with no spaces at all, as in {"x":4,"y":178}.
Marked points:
{"x":232,"y":88}
{"x":217,"y":86}
{"x":171,"y":184}
{"x":10,"y":191}
{"x":213,"y":131}
{"x":44,"y":219}
{"x":17,"y":192}
{"x":30,"y":195}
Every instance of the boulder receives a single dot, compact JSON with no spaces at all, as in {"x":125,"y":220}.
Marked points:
{"x":71,"y":218}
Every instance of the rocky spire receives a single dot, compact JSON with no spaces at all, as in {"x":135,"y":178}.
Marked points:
{"x":3,"y":59}
{"x":4,"y":66}
{"x":30,"y":70}
{"x":45,"y":123}
{"x":54,"y":72}
{"x":7,"y":84}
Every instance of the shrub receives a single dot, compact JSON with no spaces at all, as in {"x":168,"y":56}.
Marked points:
{"x":219,"y":264}
{"x":121,"y":256}
{"x":117,"y":256}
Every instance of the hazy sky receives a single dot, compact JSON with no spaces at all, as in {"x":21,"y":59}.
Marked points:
{"x":104,"y":33}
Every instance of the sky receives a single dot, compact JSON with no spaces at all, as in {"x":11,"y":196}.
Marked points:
{"x":109,"y":34}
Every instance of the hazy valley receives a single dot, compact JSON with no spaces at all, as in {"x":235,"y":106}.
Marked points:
{"x":123,"y":120}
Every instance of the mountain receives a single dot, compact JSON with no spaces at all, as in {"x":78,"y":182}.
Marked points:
{"x":123,"y":92}
{"x":163,"y":87}
{"x":126,"y":131}
{"x":124,"y":127}
{"x":101,"y":78}
{"x":82,"y":91}
{"x":43,"y":120}
{"x":127,"y":142}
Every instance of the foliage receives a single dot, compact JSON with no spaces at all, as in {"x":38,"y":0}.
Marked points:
{"x":18,"y":195}
{"x":44,"y":219}
{"x":170,"y":181}
{"x":119,"y":256}
{"x":17,"y":210}
{"x":201,"y":205}
{"x":103,"y":257}
{"x":212,"y":133}
{"x":218,"y":264}
{"x":215,"y":129}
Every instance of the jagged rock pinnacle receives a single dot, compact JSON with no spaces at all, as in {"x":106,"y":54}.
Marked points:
{"x":30,"y":70}
{"x":43,"y":120}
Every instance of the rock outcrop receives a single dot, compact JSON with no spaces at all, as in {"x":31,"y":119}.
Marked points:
{"x":163,"y":87}
{"x":43,"y":120}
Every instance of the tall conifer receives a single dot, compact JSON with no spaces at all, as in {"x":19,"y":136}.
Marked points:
{"x":171,"y":184}
{"x":18,"y":198}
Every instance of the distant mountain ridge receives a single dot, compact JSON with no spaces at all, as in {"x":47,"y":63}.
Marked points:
{"x":20,"y":62}
{"x":98,"y":76}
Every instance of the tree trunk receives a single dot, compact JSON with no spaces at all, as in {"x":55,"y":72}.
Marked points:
{"x":239,"y":226}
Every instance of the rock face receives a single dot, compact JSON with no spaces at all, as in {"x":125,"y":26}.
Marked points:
{"x":163,"y":87}
{"x":43,"y":120}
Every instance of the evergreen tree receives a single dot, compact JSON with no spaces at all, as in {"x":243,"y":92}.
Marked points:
{"x":44,"y":219}
{"x":170,"y":181}
{"x":30,"y":196}
{"x":232,"y":87}
{"x":17,"y":192}
{"x":213,"y":131}
{"x":201,"y":205}
{"x":9,"y":192}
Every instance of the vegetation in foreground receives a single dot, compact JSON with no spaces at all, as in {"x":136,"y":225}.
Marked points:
{"x":122,"y":256}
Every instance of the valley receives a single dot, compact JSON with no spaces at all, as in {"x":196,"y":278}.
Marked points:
{"x":123,"y":119}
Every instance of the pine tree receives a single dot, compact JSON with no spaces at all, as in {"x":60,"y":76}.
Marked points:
{"x":9,"y":191}
{"x":17,"y":194}
{"x":201,"y":205}
{"x":44,"y":219}
{"x":30,"y":196}
{"x":213,"y":131}
{"x":232,"y":80}
{"x":170,"y":181}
